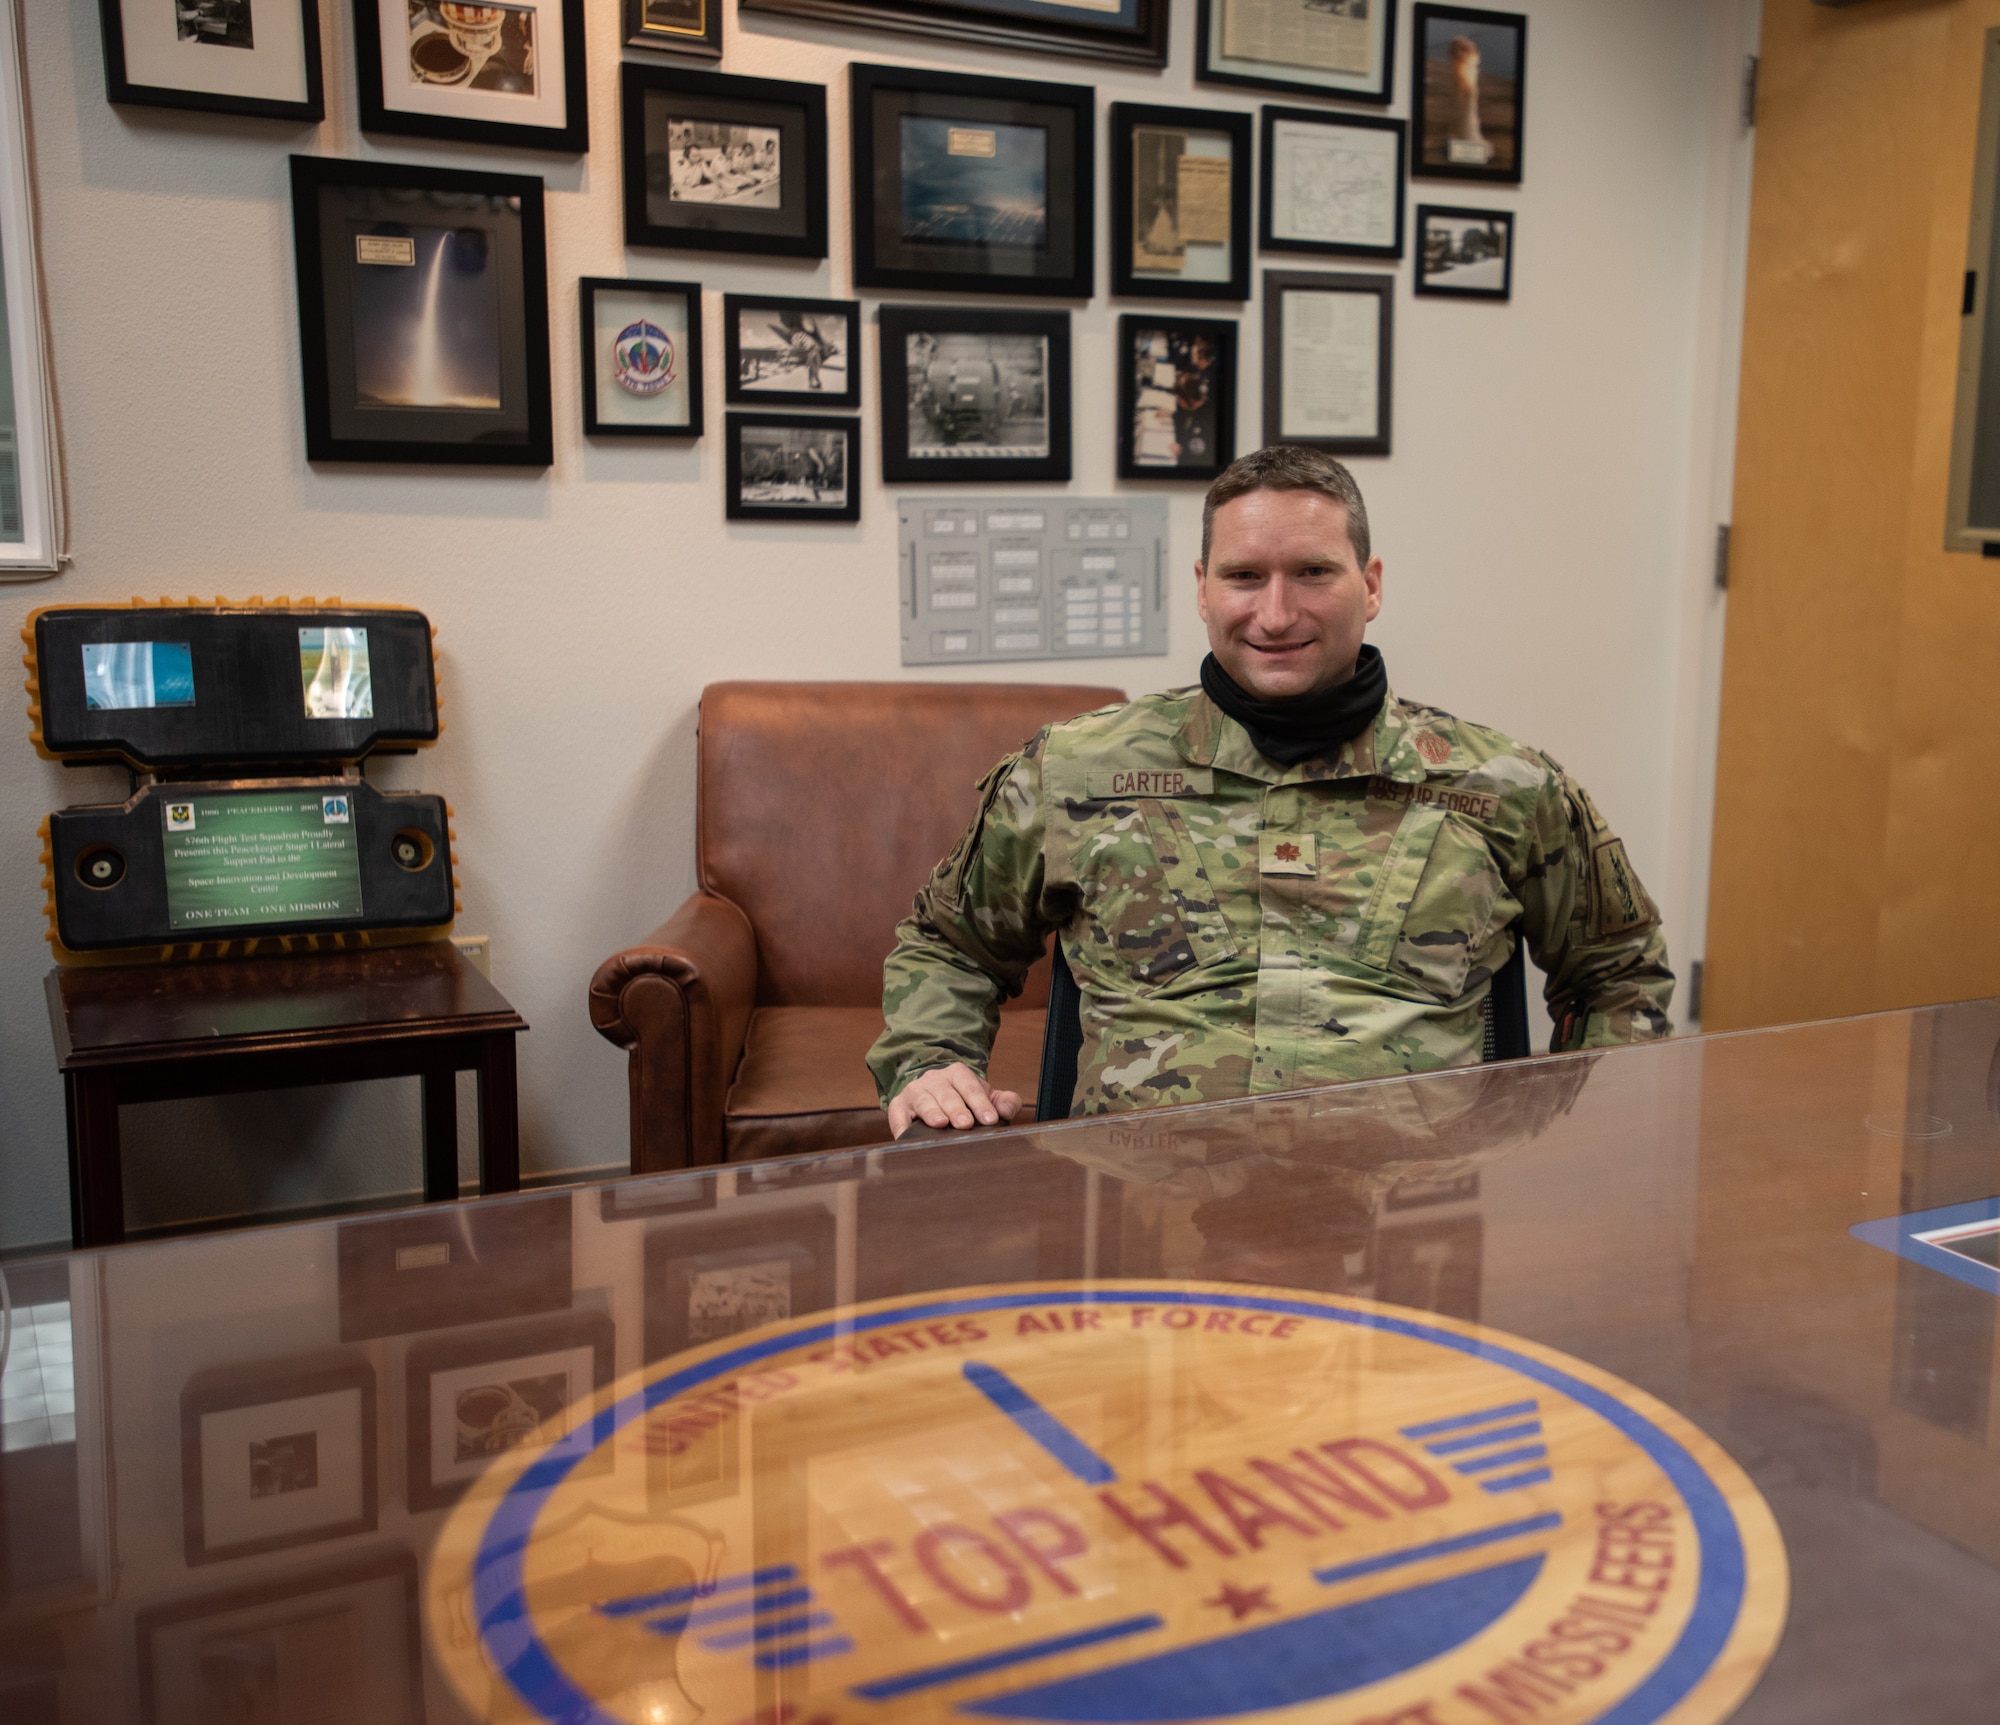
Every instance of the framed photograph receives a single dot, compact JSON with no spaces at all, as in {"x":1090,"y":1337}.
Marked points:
{"x":1124,"y":32}
{"x":1465,"y":254}
{"x":721,"y":164}
{"x":974,"y":394}
{"x":338,"y":1643}
{"x":677,"y":26}
{"x":971,"y":184}
{"x":1340,"y":48}
{"x":254,"y":57}
{"x":723,"y":1275}
{"x":1468,"y":97}
{"x":277,"y":1456}
{"x":793,"y":467}
{"x":477,"y":1394}
{"x":1180,"y":202}
{"x":445,"y":1265}
{"x":641,"y":357}
{"x":1327,"y":347}
{"x":661,"y":1195}
{"x":791,"y":352}
{"x":1176,"y":397}
{"x":423,"y":313}
{"x":30,"y":459}
{"x":1333,"y":184}
{"x":503,"y":72}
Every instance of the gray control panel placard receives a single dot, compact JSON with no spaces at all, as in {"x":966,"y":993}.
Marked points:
{"x":996,"y":578}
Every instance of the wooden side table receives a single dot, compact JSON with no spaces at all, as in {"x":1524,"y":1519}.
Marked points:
{"x":161,"y":1032}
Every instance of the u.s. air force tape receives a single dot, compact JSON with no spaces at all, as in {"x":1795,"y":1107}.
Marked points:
{"x":1121,"y":1501}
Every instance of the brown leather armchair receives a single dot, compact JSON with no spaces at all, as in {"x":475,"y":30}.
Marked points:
{"x":821,"y":808}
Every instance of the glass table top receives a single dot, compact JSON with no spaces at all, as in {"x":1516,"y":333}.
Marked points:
{"x":1654,"y":1384}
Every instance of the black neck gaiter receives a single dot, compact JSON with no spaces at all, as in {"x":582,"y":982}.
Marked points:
{"x":1298,"y":727}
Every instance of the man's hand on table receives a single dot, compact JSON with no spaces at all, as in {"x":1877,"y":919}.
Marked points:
{"x":951,"y":1095}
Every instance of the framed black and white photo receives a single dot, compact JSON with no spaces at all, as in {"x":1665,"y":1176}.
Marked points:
{"x":675,"y":26}
{"x":1465,"y":254}
{"x":792,"y":467}
{"x":641,"y":357}
{"x":342,"y":1643}
{"x":1328,"y":341}
{"x":971,"y":184}
{"x":445,"y":1264}
{"x":975,"y":394}
{"x":1180,"y":202}
{"x":31,"y":532}
{"x":503,"y":72}
{"x":715,"y":163}
{"x":1124,"y":32}
{"x":1468,"y":100}
{"x":423,"y":313}
{"x":729,"y":1273}
{"x":1176,"y":397}
{"x":254,"y":57}
{"x":1333,"y":184}
{"x":791,"y":352}
{"x":277,"y":1456}
{"x":1345,"y":49}
{"x":475,"y":1395}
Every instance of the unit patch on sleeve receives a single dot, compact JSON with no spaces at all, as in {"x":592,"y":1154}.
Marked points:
{"x":1620,"y":902}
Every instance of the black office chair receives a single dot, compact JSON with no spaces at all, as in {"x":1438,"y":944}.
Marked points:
{"x":1062,"y":1039}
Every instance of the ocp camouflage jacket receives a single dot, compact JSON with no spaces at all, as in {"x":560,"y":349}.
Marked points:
{"x":1237,"y":927}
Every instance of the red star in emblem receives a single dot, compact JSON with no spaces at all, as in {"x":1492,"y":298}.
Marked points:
{"x":1241,"y":1601}
{"x":1288,"y":853}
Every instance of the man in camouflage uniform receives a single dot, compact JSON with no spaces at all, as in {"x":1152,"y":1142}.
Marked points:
{"x":1330,"y":900}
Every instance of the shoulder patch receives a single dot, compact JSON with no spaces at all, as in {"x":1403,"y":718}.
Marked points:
{"x":1619,"y":901}
{"x":1433,"y":748}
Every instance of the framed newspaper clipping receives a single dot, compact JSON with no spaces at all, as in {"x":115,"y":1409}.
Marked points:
{"x":1340,"y":48}
{"x":1180,"y":202}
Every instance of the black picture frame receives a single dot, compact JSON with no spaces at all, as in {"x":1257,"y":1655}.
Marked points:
{"x":889,"y":252}
{"x":623,"y":381}
{"x":904,"y":328}
{"x":729,"y":1272}
{"x":768,"y":456}
{"x":1133,"y":33}
{"x":1147,"y":171}
{"x":306,"y":1425}
{"x":1434,"y":260}
{"x":1282,"y":221}
{"x":132,"y":70}
{"x":1278,"y":368}
{"x":492,"y":1411}
{"x":1202,"y":417}
{"x":445,"y":1265}
{"x":635,"y":1200}
{"x":1437,"y":152}
{"x":768,"y":112}
{"x":1214,"y":64}
{"x":566,"y":104}
{"x":692,"y":27}
{"x":332,"y":200}
{"x":789,"y":336}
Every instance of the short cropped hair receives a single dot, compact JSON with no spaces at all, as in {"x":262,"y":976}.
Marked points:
{"x":1288,"y":467}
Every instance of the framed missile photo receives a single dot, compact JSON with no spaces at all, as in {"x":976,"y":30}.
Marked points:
{"x":791,"y":352}
{"x":423,"y":313}
{"x":1468,"y":101}
{"x":641,"y":358}
{"x":974,"y":394}
{"x":502,"y":72}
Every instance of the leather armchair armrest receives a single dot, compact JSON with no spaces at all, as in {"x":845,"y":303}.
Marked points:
{"x":680,"y":1001}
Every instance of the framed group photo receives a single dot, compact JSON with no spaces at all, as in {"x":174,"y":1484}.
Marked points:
{"x":1180,"y":202}
{"x":213,"y":57}
{"x":791,"y":352}
{"x":1345,"y":49}
{"x":1328,"y":343}
{"x":1468,"y":97}
{"x":641,"y":357}
{"x":1125,"y":32}
{"x":792,"y":467}
{"x":508,"y":74}
{"x":1465,"y":254}
{"x":1176,"y":397}
{"x":974,"y":394}
{"x":971,"y":184}
{"x":691,"y":27}
{"x":1332,"y":184}
{"x":718,"y":163}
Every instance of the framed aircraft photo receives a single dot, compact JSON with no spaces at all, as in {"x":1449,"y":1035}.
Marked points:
{"x":791,"y":352}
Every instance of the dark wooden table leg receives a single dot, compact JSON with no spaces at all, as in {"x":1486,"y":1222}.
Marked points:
{"x":440,"y":1136}
{"x":96,"y":1168}
{"x":499,"y":1116}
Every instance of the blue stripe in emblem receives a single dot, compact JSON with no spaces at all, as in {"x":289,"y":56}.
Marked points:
{"x":1041,"y":1425}
{"x":1437,"y":1548}
{"x":1515,"y":1481}
{"x":1479,"y":1440}
{"x":1502,"y":1458}
{"x":1458,"y":1422}
{"x":930,"y":1676}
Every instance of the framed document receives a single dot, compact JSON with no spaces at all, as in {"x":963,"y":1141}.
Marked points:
{"x":1465,"y":254}
{"x":792,"y":467}
{"x":1125,"y":32}
{"x":974,"y":394}
{"x":791,"y":352}
{"x":1327,"y":346}
{"x":1340,"y":48}
{"x":509,"y":74}
{"x":1180,"y":202}
{"x":675,"y":26}
{"x":971,"y":184}
{"x":215,"y":57}
{"x":1468,"y":96}
{"x":1333,"y":184}
{"x":1176,"y":397}
{"x":641,"y":357}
